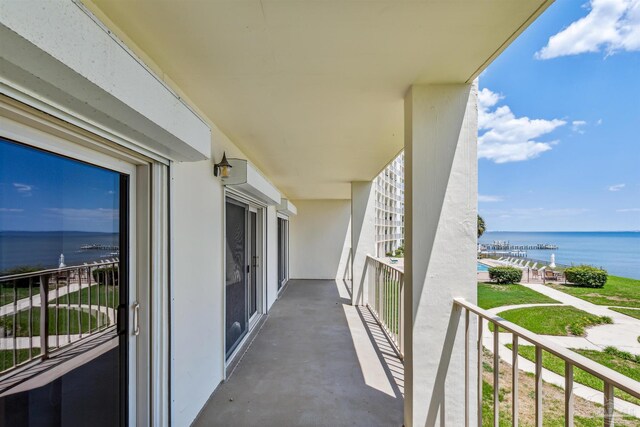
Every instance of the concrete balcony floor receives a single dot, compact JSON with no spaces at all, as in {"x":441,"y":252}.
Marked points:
{"x":317,"y":361}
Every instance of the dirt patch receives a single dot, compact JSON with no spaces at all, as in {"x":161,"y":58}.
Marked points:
{"x":552,"y":401}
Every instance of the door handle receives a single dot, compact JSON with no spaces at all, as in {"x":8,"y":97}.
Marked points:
{"x":136,"y":319}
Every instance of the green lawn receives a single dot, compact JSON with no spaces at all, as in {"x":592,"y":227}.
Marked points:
{"x":618,"y":291}
{"x":491,"y":295}
{"x":626,"y":367}
{"x":6,"y":357}
{"x":390,"y":313}
{"x":22,"y":329}
{"x":98,"y":294}
{"x":550,"y":320}
{"x":7,"y":292}
{"x":628,"y":311}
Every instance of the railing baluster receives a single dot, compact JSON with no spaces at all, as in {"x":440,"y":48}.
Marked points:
{"x":88,"y":273}
{"x":466,"y":368}
{"x":608,"y":404}
{"x":57,"y":311}
{"x":514,"y":381}
{"x":113,"y":290}
{"x":106,"y":296}
{"x":79,"y":304}
{"x":44,"y":316}
{"x":30,"y":318}
{"x":479,"y":373}
{"x":15,"y":322}
{"x":401,"y":344}
{"x":98,"y":320}
{"x":538,"y":380}
{"x":68,"y":309}
{"x":568,"y":394}
{"x":496,"y":376}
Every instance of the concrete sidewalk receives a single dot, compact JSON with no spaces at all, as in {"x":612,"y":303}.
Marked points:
{"x":622,"y":334}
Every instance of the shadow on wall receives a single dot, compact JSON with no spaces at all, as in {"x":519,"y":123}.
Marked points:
{"x":320,"y":240}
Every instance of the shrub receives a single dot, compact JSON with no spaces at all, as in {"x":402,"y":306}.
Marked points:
{"x":505,"y":275}
{"x":99,"y":275}
{"x":586,"y":276}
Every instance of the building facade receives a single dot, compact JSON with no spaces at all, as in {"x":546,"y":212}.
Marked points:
{"x":307,"y":101}
{"x":389,"y":188}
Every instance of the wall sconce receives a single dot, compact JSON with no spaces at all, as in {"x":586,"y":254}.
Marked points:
{"x":223,"y":168}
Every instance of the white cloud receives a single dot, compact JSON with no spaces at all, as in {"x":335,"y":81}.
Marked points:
{"x":11,"y":210}
{"x":24,"y":189}
{"x":508,"y":138}
{"x":577,"y":126}
{"x":610,"y":26}
{"x":629,"y":210}
{"x":616,"y":187}
{"x":487,"y":198}
{"x":599,"y":122}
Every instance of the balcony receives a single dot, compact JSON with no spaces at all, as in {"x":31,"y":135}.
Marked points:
{"x":317,"y":360}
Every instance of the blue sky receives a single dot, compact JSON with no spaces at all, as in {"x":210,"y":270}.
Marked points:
{"x":559,"y":138}
{"x":43,"y":192}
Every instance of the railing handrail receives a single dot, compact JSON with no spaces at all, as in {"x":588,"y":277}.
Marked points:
{"x":385,"y":262}
{"x":602,"y":372}
{"x":55,"y":270}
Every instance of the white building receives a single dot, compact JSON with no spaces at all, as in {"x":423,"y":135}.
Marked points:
{"x":389,"y":186}
{"x":233,"y":308}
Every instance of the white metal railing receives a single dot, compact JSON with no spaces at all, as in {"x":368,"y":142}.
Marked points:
{"x":611,"y":378}
{"x":46,"y":310}
{"x":385,"y":299}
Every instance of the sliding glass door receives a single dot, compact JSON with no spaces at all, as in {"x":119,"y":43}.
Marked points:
{"x":64,"y":235}
{"x":243,"y":287}
{"x":236,"y":267}
{"x":283,"y":252}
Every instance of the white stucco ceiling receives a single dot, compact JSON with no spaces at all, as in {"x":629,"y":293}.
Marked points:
{"x":313,"y":91}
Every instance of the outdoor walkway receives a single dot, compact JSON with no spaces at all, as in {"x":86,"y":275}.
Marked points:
{"x":317,"y":361}
{"x":622,"y":334}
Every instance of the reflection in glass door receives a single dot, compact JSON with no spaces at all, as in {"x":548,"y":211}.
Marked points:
{"x":236,"y":321}
{"x":253,"y":270}
{"x":63,"y":278}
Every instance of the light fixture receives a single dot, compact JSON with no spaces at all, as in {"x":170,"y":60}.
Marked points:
{"x":223,"y":168}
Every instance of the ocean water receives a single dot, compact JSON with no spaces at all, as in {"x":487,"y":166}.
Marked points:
{"x":617,"y":252}
{"x":44,"y":248}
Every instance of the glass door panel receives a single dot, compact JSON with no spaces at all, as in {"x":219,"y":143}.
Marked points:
{"x":236,"y":321}
{"x":253,"y":247}
{"x":63,"y":240}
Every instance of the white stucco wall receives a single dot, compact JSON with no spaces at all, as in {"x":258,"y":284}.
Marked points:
{"x":197,"y":360}
{"x":320,"y":239}
{"x":441,"y":188}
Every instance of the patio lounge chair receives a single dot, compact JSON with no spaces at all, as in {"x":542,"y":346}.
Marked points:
{"x":550,"y":275}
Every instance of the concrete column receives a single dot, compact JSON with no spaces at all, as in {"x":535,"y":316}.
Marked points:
{"x":363,"y":239}
{"x":441,"y":186}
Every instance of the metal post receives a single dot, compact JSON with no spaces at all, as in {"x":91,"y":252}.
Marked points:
{"x":44,"y":317}
{"x":514,"y":381}
{"x":480,"y":321}
{"x":608,"y":404}
{"x":466,"y":368}
{"x":496,"y":376}
{"x":538,"y":386}
{"x":568,"y":394}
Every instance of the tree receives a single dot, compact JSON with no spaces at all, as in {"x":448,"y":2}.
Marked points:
{"x":481,"y":226}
